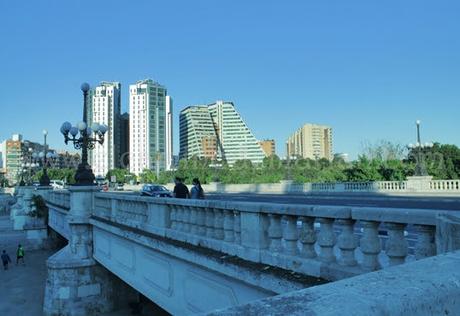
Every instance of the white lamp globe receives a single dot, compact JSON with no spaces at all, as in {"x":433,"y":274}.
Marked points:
{"x":74,"y":131}
{"x":41,"y":154}
{"x":103,"y":128}
{"x":45,"y":132}
{"x":411,"y":146}
{"x":89,"y":131}
{"x":49,"y":155}
{"x":84,"y":87}
{"x":95,"y":127}
{"x":34,"y":155}
{"x":66,"y":126}
{"x":81,"y":126}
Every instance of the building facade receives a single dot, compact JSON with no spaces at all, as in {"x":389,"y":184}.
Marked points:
{"x":217,"y":131}
{"x":268,"y":146}
{"x":147,"y":126}
{"x":311,"y":141}
{"x":105,"y":107}
{"x":124,"y":147}
{"x":13,"y":161}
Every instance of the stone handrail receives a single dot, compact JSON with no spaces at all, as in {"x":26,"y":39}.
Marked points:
{"x":347,"y":242}
{"x":445,"y":185}
{"x":60,"y":198}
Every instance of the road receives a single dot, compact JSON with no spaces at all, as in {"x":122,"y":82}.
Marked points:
{"x":411,"y":202}
{"x":436,"y":203}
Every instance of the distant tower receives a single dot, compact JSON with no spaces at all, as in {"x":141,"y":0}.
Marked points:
{"x":147,"y":126}
{"x":104,"y":108}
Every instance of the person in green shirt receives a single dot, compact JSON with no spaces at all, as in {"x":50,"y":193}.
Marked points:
{"x":20,"y":255}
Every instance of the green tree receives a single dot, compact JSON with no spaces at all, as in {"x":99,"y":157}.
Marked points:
{"x":122,"y":175}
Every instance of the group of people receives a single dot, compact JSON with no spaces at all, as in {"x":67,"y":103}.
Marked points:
{"x":181,"y":191}
{"x":19,"y":257}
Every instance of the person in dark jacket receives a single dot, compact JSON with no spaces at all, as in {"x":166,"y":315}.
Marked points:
{"x":180,"y":190}
{"x":197,"y":191}
{"x":6,"y":259}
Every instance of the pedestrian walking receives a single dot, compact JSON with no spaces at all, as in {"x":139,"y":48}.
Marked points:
{"x":6,"y":259}
{"x":197,"y":191}
{"x":20,"y":255}
{"x":180,"y":189}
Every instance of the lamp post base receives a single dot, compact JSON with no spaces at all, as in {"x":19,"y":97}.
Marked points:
{"x":84,"y":175}
{"x":45,"y":179}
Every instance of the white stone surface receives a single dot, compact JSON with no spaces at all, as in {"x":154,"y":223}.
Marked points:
{"x":426,"y":287}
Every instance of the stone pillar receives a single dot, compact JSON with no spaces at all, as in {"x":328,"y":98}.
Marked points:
{"x":20,"y":216}
{"x":419,"y":183}
{"x":448,"y":232}
{"x":326,"y":239}
{"x":77,"y":285}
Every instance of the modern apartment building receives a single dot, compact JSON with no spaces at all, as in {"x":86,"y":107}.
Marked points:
{"x":148,"y":126}
{"x":104,"y":108}
{"x":268,"y":146}
{"x":124,"y":147}
{"x":13,"y":161}
{"x":218,"y":132}
{"x":2,"y":154}
{"x":311,"y":141}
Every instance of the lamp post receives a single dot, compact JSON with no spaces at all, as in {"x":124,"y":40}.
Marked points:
{"x":44,"y":179}
{"x":85,"y":141}
{"x":419,"y":148}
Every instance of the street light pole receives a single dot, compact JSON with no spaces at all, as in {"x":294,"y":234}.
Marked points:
{"x":420,"y":168}
{"x":84,"y":175}
{"x":44,"y":179}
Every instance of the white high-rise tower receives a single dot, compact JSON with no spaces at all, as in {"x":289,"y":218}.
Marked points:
{"x":169,"y":133}
{"x":104,"y":108}
{"x":148,"y":124}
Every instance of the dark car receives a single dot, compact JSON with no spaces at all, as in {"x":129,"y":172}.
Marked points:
{"x":155,"y":190}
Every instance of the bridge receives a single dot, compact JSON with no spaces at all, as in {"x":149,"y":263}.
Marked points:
{"x":228,"y":258}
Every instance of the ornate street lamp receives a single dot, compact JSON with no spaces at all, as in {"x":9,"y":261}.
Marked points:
{"x":44,"y":179}
{"x":419,"y":149}
{"x":87,"y":139}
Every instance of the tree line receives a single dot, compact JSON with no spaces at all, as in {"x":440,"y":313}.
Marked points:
{"x":380,"y":162}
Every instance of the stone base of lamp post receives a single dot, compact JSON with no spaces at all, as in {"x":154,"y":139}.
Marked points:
{"x":84,"y":175}
{"x":419,"y":183}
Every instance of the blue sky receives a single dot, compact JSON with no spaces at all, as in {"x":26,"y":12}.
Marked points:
{"x":367,"y":68}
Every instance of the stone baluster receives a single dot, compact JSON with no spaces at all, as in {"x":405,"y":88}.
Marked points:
{"x":275,"y":232}
{"x":308,"y":237}
{"x":186,"y":227}
{"x":326,"y":239}
{"x":173,"y":216}
{"x":209,"y":223}
{"x":237,"y":227}
{"x":193,"y":220}
{"x":229,"y":220}
{"x":179,"y":224}
{"x":290,"y":235}
{"x":396,"y":245}
{"x":347,"y":242}
{"x":370,"y":245}
{"x":218,"y":224}
{"x":201,"y":221}
{"x":425,"y":245}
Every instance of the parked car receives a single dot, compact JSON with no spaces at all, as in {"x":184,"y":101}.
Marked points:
{"x":119,"y":187}
{"x":155,"y":190}
{"x":57,"y":184}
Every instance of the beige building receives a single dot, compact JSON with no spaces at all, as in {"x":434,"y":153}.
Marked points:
{"x":311,"y":141}
{"x":268,"y":146}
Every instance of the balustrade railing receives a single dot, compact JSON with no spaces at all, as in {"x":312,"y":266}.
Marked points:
{"x":445,"y":185}
{"x":347,"y":240}
{"x":60,"y":198}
